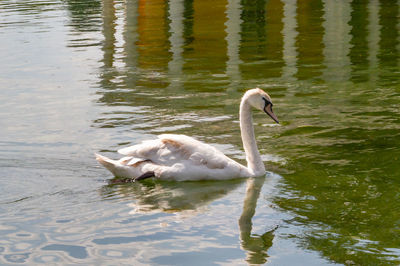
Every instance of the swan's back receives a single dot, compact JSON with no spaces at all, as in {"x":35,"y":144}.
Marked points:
{"x":169,"y":149}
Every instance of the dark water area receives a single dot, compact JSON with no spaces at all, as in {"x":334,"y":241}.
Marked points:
{"x":79,"y":77}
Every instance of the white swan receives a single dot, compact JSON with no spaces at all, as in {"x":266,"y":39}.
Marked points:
{"x":179,"y":157}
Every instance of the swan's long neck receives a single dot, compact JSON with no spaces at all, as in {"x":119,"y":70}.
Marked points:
{"x":254,"y":162}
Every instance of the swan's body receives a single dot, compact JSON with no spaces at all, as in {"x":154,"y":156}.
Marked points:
{"x":179,"y":157}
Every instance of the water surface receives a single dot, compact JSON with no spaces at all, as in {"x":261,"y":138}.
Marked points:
{"x":79,"y":77}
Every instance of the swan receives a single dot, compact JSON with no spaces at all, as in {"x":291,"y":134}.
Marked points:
{"x":180,"y":158}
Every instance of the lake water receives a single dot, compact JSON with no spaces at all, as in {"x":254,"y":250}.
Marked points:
{"x":78,"y":77}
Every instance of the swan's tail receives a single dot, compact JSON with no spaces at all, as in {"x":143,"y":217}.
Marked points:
{"x":117,"y":168}
{"x":111,"y":165}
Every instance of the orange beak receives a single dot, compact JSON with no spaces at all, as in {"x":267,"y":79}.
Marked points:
{"x":268,"y":110}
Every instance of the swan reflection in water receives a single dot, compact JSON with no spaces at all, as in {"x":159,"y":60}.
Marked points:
{"x":189,"y":198}
{"x":171,"y":196}
{"x":255,"y":245}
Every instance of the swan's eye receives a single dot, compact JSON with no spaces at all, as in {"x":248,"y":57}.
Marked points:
{"x":267,"y":102}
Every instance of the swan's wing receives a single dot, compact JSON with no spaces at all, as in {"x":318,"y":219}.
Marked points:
{"x":169,"y":149}
{"x":196,"y":152}
{"x":144,"y":150}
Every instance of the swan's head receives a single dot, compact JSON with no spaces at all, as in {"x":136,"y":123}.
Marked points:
{"x":260,"y":100}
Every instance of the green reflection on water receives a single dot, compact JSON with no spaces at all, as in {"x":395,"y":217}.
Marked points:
{"x":333,"y":71}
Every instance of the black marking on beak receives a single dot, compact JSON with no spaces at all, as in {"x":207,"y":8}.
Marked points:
{"x":268,"y":110}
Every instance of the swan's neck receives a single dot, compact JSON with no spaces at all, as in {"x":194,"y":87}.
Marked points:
{"x":254,"y":162}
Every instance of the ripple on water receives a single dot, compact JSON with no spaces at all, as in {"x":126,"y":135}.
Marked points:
{"x":74,"y":251}
{"x":17,"y":257}
{"x":47,"y":258}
